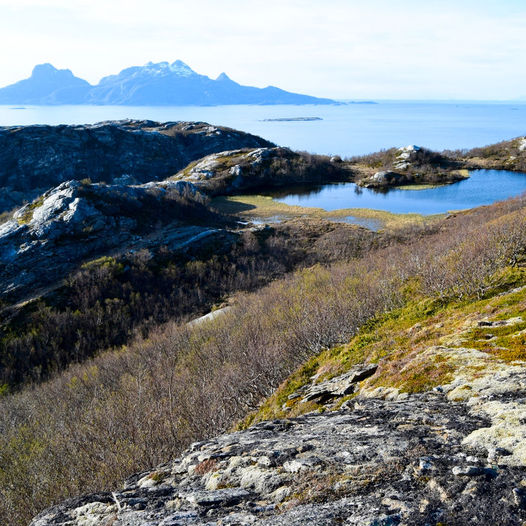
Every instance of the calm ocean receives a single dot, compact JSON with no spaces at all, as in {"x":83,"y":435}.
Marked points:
{"x":345,"y":130}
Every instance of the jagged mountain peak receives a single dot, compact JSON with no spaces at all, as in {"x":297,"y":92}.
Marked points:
{"x":178,"y":68}
{"x":224,"y":77}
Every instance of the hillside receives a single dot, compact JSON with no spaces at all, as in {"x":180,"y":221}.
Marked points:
{"x":154,"y":84}
{"x":506,"y":155}
{"x":130,"y":253}
{"x":427,"y":326}
{"x":125,"y":258}
{"x":34,"y":159}
{"x":416,"y":420}
{"x":75,"y":222}
{"x":237,"y":171}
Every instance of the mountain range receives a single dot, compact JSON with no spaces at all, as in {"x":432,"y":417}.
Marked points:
{"x":155,"y":84}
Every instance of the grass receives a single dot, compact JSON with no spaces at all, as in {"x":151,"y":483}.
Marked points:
{"x":7,"y":215}
{"x":415,"y":346}
{"x":27,"y":216}
{"x":419,"y":186}
{"x":261,"y":207}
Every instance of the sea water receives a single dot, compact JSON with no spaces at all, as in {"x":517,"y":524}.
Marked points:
{"x":482,"y":188}
{"x":344,"y":130}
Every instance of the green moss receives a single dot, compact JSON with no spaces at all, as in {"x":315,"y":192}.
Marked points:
{"x":158,"y":476}
{"x":27,"y":216}
{"x":422,"y":376}
{"x":105,"y":262}
{"x":272,"y":408}
{"x":398,"y":339}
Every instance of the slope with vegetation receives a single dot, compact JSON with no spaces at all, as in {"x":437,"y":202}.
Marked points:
{"x":438,"y":308}
{"x":115,"y":273}
{"x":103,"y":376}
{"x":505,"y":155}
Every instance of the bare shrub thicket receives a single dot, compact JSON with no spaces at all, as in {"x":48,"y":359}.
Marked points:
{"x":127,"y":410}
{"x":106,"y":301}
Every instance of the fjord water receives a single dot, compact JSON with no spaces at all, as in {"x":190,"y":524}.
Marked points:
{"x":482,"y":188}
{"x":344,"y":130}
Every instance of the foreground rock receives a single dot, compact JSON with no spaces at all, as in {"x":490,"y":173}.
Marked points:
{"x":376,"y":462}
{"x":337,"y":387}
{"x":36,"y":158}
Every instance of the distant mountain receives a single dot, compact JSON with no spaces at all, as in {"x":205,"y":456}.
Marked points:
{"x":47,"y":85}
{"x":155,"y":84}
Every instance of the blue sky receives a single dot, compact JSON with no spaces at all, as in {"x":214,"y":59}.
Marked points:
{"x":461,"y":49}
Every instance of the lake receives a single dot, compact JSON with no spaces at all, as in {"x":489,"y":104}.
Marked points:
{"x":482,"y":188}
{"x":347,"y":130}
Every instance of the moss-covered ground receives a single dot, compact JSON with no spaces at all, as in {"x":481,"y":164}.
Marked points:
{"x":417,"y":346}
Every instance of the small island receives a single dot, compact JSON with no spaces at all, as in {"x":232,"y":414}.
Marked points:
{"x":293,"y":119}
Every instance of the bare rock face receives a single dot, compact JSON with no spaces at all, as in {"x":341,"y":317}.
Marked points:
{"x":377,"y":462}
{"x":337,"y":387}
{"x":55,"y":233}
{"x":36,"y":158}
{"x":405,"y":156}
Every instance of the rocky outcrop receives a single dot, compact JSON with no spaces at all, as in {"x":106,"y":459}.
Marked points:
{"x":374,"y":462}
{"x":337,"y":387}
{"x":405,"y":157}
{"x":36,"y":158}
{"x":245,"y":170}
{"x":49,"y":237}
{"x":385,"y":177}
{"x":409,"y":165}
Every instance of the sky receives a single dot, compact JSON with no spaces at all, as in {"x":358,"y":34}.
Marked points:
{"x":346,"y":49}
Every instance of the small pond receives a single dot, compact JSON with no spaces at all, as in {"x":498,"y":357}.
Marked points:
{"x":482,"y":188}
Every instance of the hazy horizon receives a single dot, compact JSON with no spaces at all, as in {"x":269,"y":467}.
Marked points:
{"x":339,"y":49}
{"x":521,"y":99}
